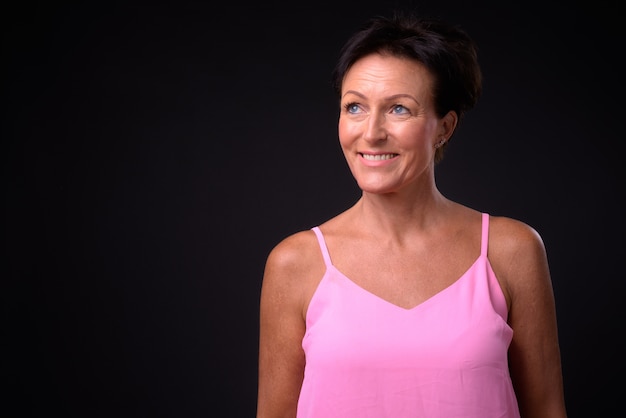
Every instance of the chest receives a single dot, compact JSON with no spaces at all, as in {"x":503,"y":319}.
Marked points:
{"x":459,"y":320}
{"x":405,"y":277}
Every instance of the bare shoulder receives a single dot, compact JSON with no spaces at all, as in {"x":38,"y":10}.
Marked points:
{"x":293,"y":268}
{"x":517,"y":254}
{"x":294,"y":252}
{"x":508,"y":234}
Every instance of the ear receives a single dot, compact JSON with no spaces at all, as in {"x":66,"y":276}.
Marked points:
{"x":448,"y":125}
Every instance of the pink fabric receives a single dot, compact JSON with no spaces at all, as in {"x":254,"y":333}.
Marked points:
{"x":446,"y":357}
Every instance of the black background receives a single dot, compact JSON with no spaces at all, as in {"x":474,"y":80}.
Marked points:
{"x":155,"y":152}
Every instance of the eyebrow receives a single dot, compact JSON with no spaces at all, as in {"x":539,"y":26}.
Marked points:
{"x":393,"y":97}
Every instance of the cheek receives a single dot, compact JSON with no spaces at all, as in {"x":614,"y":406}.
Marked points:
{"x":419,"y":136}
{"x":343,"y":131}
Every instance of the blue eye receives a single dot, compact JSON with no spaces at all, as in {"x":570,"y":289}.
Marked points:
{"x":399,"y":109}
{"x":352,"y":107}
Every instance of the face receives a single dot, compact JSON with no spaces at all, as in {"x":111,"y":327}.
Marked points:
{"x":388,"y":128}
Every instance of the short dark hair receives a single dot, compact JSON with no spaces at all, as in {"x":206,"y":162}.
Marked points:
{"x":447,"y":51}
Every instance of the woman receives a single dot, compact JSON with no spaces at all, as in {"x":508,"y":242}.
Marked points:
{"x":408,"y":304}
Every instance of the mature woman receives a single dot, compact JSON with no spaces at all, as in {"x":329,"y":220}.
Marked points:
{"x":408,"y":304}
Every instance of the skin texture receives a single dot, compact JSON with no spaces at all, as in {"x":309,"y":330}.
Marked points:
{"x":405,"y":242}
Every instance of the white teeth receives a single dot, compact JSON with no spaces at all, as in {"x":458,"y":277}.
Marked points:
{"x":378,"y":157}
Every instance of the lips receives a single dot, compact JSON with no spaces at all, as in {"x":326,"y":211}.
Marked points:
{"x":378,"y":157}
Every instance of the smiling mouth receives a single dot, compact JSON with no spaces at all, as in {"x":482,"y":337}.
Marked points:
{"x":378,"y":157}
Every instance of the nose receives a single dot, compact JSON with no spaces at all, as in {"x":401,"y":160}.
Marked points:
{"x":375,"y":128}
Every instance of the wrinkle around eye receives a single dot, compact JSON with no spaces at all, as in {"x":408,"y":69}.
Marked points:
{"x":353,"y":108}
{"x":400,"y":110}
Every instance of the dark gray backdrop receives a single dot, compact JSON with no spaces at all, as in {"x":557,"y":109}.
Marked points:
{"x":155,"y":152}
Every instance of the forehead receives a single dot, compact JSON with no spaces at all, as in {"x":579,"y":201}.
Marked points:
{"x":386,"y":72}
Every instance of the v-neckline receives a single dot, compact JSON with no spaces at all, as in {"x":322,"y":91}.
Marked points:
{"x":426,"y":301}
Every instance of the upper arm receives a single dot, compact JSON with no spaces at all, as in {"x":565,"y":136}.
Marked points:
{"x":282,"y":327}
{"x":534,"y":353}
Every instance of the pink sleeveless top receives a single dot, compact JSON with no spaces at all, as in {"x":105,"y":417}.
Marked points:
{"x":445,"y":358}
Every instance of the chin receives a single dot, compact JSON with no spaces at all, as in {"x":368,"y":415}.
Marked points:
{"x":375,"y":188}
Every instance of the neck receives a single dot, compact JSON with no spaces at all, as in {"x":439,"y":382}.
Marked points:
{"x":397,"y":214}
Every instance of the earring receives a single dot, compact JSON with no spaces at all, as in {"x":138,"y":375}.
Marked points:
{"x":440,"y":143}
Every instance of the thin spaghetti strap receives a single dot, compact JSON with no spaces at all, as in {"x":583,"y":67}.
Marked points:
{"x":484,"y":242}
{"x":323,"y":248}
